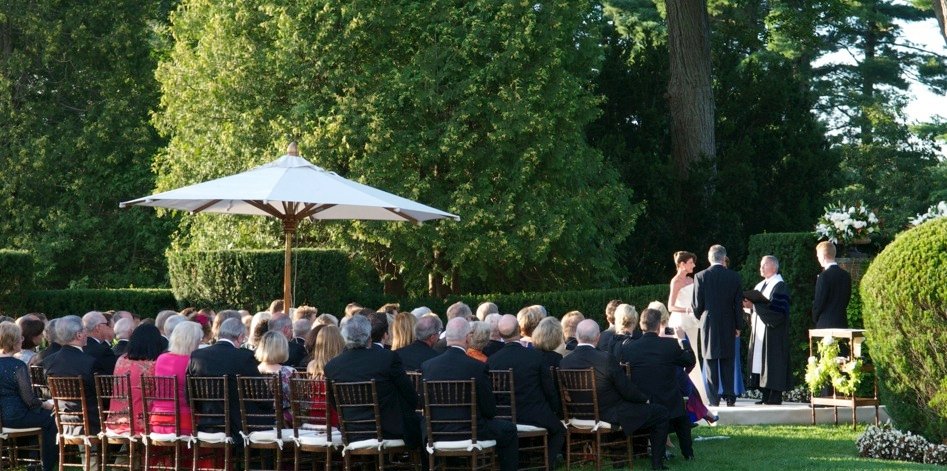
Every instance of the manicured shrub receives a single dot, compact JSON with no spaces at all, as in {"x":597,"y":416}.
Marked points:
{"x":250,"y":279}
{"x":799,"y":268}
{"x":16,"y":281}
{"x":904,"y":296}
{"x":58,"y":303}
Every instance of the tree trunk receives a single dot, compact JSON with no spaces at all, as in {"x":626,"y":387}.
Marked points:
{"x":690,"y":95}
{"x":940,"y":11}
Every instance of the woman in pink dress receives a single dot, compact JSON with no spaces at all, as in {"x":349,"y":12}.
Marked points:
{"x":185,"y":338}
{"x":144,"y":346}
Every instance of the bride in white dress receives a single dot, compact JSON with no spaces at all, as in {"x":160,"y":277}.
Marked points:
{"x":679,"y":303}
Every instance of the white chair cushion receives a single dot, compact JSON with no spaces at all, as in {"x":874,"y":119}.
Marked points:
{"x":467,"y":445}
{"x":269,"y":436}
{"x":318,"y":440}
{"x":590,"y":424}
{"x":529,"y":428}
{"x":168,"y":437}
{"x":21,"y":430}
{"x":213,"y":437}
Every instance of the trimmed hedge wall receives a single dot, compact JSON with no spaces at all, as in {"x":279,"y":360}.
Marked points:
{"x":250,"y":279}
{"x":904,"y":298}
{"x":16,"y":281}
{"x":799,"y":268}
{"x":58,"y":303}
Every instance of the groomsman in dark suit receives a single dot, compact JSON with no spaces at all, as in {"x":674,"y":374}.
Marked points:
{"x":454,"y":364}
{"x":718,"y":304}
{"x":655,"y":362}
{"x":620,"y":402}
{"x":536,"y":398}
{"x":833,"y":291}
{"x":426,"y":332}
{"x":363,"y":361}
{"x":99,"y":342}
{"x":70,"y":360}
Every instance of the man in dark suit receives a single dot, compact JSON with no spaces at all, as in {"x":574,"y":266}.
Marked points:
{"x":536,"y":398}
{"x":360,"y":361}
{"x":99,"y":342}
{"x":454,"y":364}
{"x":718,"y":304}
{"x":833,"y":291}
{"x":301,"y":327}
{"x":123,"y":330}
{"x":619,"y":401}
{"x":225,"y":358}
{"x":655,"y":362}
{"x":70,"y":360}
{"x":606,"y":338}
{"x":495,"y":344}
{"x":52,"y":343}
{"x":455,"y":310}
{"x":426,"y":332}
{"x":284,"y":325}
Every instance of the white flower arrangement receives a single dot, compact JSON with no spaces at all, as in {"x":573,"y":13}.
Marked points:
{"x":887,"y":443}
{"x":843,"y":224}
{"x":936,"y":211}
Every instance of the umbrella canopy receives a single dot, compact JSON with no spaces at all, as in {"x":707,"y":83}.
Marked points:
{"x":291,"y":189}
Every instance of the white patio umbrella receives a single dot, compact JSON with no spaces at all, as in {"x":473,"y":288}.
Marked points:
{"x":291,"y":189}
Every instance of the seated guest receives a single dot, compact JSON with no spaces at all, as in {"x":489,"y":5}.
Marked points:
{"x":185,"y":339}
{"x":605,"y":338}
{"x":454,"y":364}
{"x":259,"y":325}
{"x":160,"y":320}
{"x":220,"y":318}
{"x":296,"y":353}
{"x":19,"y":406}
{"x":396,"y":397}
{"x":272,"y":353}
{"x":426,"y":333}
{"x":537,"y":400}
{"x":379,"y":322}
{"x":485,"y":309}
{"x":495,"y":344}
{"x":655,"y":362}
{"x":626,"y":328}
{"x":123,"y":331}
{"x":548,"y":339}
{"x":479,"y":337}
{"x":327,"y":345}
{"x":569,"y":321}
{"x":205,"y":322}
{"x":327,"y":319}
{"x":619,"y":401}
{"x":144,"y":346}
{"x":308,"y":313}
{"x":528,"y":319}
{"x":99,"y":344}
{"x":301,"y":327}
{"x":52,"y":343}
{"x":455,"y":310}
{"x":70,"y":360}
{"x":402,"y":330}
{"x":32,"y":329}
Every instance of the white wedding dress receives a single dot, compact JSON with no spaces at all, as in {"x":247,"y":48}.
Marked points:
{"x":687,"y":321}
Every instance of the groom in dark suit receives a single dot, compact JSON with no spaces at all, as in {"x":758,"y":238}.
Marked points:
{"x":833,"y":290}
{"x":718,"y":304}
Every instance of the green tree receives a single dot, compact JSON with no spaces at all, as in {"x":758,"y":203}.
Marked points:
{"x":477,"y":108}
{"x":76,"y":89}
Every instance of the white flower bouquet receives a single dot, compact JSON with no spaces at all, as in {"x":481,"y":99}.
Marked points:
{"x":845,"y":224}
{"x":937,"y":211}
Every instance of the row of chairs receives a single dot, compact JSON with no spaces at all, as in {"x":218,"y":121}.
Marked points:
{"x":311,"y":437}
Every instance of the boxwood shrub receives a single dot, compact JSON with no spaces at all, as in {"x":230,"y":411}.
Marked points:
{"x":904,"y":306}
{"x":16,"y":281}
{"x":58,"y":303}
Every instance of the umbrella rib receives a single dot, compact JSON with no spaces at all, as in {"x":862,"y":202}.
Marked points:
{"x":204,"y":206}
{"x":312,"y":209}
{"x":402,"y":214}
{"x":268,"y":209}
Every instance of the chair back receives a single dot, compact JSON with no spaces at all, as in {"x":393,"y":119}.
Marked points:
{"x":503,"y":391}
{"x":209,"y":398}
{"x":359,"y":413}
{"x":579,"y":397}
{"x":417,"y":382}
{"x":114,"y":395}
{"x":38,"y":381}
{"x":159,"y":395}
{"x":261,"y":404}
{"x":450,"y":410}
{"x":309,"y":404}
{"x":69,"y":405}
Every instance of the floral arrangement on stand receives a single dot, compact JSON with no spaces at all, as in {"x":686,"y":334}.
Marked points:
{"x":847,"y":224}
{"x":829,"y":368}
{"x":936,"y":211}
{"x":888,"y":443}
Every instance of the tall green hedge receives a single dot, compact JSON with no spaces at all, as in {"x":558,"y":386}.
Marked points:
{"x":16,"y":281}
{"x":58,"y":303}
{"x":250,"y":279}
{"x":799,"y":267}
{"x":904,"y":297}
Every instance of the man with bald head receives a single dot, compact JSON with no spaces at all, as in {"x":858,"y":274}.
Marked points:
{"x":454,"y":311}
{"x":619,"y":401}
{"x":537,"y":402}
{"x":454,"y":364}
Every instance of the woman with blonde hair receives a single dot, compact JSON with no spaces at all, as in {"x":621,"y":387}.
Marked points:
{"x":272,"y":351}
{"x":185,"y":338}
{"x":547,"y":338}
{"x":328,"y":344}
{"x":402,"y":330}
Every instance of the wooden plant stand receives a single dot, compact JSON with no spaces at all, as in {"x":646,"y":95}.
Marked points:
{"x":855,"y":338}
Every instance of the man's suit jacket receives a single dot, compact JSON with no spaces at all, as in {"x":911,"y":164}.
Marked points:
{"x":120,"y":348}
{"x":833,"y":291}
{"x":414,"y":355}
{"x":297,"y":353}
{"x":718,"y":303}
{"x":48,"y":351}
{"x":619,"y":401}
{"x":70,"y":361}
{"x":224,"y":359}
{"x":104,"y":356}
{"x":396,"y":396}
{"x":454,"y":364}
{"x":606,"y":339}
{"x":655,"y":362}
{"x":536,"y":397}
{"x":492,"y":347}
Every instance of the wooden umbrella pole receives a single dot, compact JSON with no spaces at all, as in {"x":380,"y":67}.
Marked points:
{"x":289,"y":228}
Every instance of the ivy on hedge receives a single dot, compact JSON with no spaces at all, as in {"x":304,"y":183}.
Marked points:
{"x":58,"y":303}
{"x":16,"y":281}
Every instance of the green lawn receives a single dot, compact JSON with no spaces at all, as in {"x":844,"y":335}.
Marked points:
{"x":779,"y":447}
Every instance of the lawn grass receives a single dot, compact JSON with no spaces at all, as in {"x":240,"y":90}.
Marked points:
{"x":779,"y":447}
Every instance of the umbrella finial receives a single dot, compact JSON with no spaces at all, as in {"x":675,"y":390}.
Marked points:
{"x":292,"y":149}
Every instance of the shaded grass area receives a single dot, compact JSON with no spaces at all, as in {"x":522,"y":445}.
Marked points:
{"x":784,"y":447}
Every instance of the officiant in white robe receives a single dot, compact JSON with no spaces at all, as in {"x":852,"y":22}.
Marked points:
{"x":769,"y":345}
